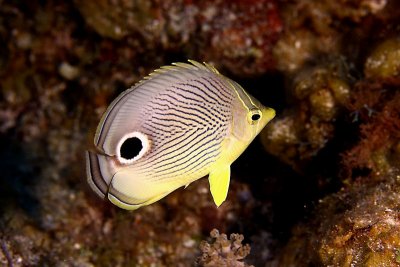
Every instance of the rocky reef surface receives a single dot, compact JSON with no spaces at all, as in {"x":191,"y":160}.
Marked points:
{"x":319,"y":187}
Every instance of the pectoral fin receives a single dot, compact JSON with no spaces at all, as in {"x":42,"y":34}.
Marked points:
{"x":219,"y":183}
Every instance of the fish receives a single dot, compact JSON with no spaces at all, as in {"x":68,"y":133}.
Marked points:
{"x":182,"y":122}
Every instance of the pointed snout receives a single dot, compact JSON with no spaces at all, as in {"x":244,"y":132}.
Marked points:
{"x":268,"y":115}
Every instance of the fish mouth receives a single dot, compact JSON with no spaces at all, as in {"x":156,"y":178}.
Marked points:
{"x":94,"y":174}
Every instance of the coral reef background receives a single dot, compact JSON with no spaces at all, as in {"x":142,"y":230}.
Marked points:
{"x":321,"y":186}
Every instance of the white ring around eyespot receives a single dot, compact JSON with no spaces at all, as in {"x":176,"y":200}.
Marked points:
{"x":145,"y":147}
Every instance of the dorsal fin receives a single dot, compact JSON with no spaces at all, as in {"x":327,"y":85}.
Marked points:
{"x":179,"y":66}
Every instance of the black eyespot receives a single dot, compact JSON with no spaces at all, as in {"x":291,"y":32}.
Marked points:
{"x":130,"y":148}
{"x":255,"y":117}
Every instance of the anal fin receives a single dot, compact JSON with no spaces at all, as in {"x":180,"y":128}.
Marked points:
{"x":219,"y":183}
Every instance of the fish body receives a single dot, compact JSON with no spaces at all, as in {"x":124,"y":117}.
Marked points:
{"x":179,"y":124}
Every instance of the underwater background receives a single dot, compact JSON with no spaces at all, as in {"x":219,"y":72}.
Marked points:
{"x":320,"y":186}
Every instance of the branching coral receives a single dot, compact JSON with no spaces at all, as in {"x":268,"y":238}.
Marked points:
{"x":223,"y":251}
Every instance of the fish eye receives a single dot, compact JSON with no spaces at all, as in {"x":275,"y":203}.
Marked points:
{"x":132,"y":147}
{"x":254,"y":115}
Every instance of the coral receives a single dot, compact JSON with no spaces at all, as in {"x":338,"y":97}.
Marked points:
{"x":301,"y":132}
{"x":242,"y":43}
{"x":320,"y":71}
{"x":329,"y":68}
{"x":312,"y":28}
{"x":384,"y":60}
{"x":228,"y":34}
{"x":170,"y":23}
{"x":363,"y":229}
{"x":375,"y":105}
{"x":52,"y":94}
{"x":223,"y":251}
